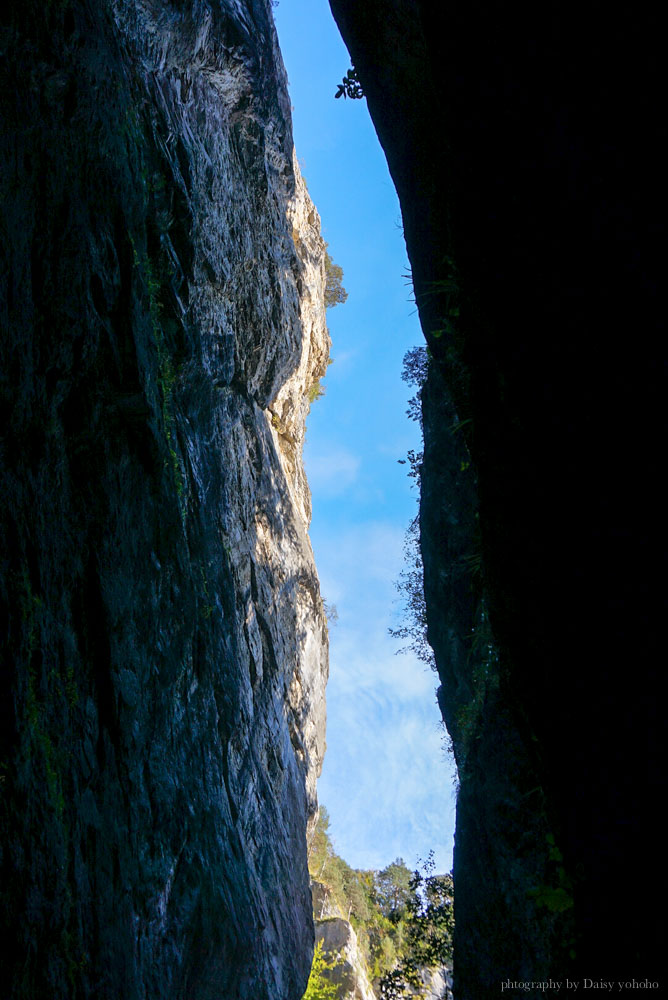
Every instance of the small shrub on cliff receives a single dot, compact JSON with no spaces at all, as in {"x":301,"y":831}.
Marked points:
{"x":414,"y":372}
{"x":411,"y":590}
{"x":350,"y":86}
{"x":317,"y":391}
{"x":331,"y":612}
{"x":320,"y":988}
{"x":335,"y":293}
{"x":411,"y":580}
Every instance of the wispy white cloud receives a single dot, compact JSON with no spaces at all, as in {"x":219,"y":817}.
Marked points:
{"x":387,"y":781}
{"x":364,"y":552}
{"x":385,"y":778}
{"x":332,"y":471}
{"x":366,"y":660}
{"x":343,"y":361}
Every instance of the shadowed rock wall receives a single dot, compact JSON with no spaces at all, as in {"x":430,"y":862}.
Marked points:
{"x":526,"y":152}
{"x":164,"y":642}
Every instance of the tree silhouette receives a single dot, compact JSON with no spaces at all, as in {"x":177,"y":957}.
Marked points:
{"x":350,"y":86}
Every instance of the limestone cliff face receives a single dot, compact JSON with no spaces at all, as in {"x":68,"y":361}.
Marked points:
{"x":340,"y":947}
{"x":162,"y":720}
{"x":339,"y":943}
{"x":527,"y":169}
{"x":348,"y":969}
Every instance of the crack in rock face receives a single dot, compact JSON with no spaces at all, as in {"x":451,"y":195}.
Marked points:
{"x":163,"y":320}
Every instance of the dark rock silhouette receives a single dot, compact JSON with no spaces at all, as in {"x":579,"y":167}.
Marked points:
{"x":526,"y":152}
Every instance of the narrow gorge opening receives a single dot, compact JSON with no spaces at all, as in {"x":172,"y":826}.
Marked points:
{"x":388,"y":784}
{"x":164,"y":638}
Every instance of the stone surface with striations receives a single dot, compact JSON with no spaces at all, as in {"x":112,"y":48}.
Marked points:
{"x":164,"y":640}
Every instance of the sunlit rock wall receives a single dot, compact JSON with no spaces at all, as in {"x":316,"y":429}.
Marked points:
{"x":347,"y":969}
{"x":164,"y":641}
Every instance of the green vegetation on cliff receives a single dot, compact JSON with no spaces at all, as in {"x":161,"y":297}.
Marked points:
{"x":318,"y":987}
{"x":335,"y":293}
{"x":403,"y":920}
{"x":413,"y":627}
{"x":429,"y":925}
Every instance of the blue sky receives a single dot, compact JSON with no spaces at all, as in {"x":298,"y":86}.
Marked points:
{"x":386,"y":782}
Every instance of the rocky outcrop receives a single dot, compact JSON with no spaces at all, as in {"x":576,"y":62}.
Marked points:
{"x":436,"y":984}
{"x":165,"y":650}
{"x":527,"y":168}
{"x":348,"y":970}
{"x":339,"y":943}
{"x":340,"y":947}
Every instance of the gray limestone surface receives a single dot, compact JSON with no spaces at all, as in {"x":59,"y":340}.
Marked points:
{"x":163,"y":320}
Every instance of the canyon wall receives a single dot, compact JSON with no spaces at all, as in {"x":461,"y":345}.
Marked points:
{"x":164,"y":640}
{"x":527,"y":155}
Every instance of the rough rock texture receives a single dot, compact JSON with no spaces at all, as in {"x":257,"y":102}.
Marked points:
{"x":164,"y":642}
{"x":436,"y":984}
{"x":340,"y":947}
{"x":529,"y":169}
{"x":339,"y":943}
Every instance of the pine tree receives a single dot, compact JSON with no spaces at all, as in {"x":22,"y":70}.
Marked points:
{"x":430,"y":923}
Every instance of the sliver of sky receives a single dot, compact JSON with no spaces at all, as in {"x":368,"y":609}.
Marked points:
{"x":386,"y":781}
